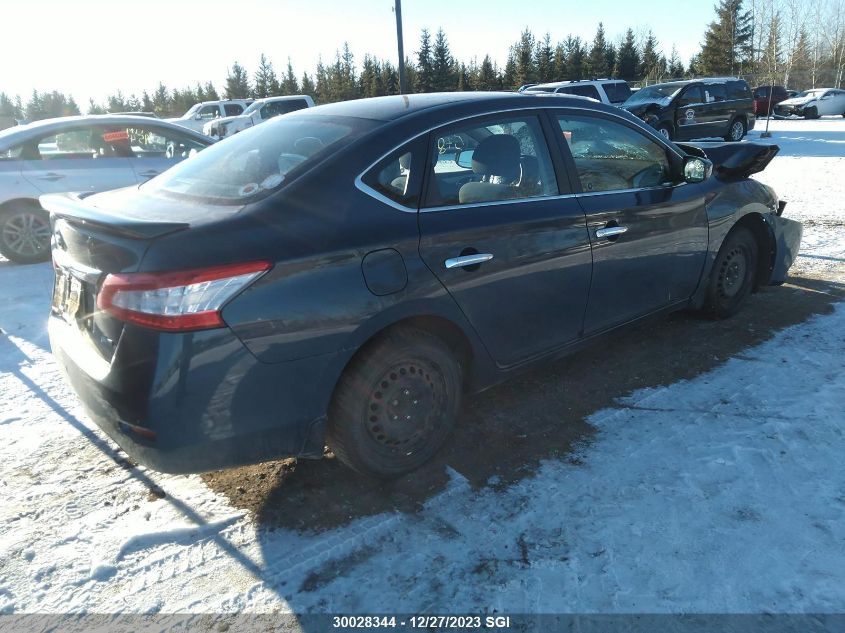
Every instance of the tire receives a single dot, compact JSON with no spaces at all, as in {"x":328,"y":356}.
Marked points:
{"x":736,"y":131}
{"x":733,"y":274}
{"x":395,"y":404}
{"x":665,"y":130}
{"x":811,"y":113}
{"x":25,"y":234}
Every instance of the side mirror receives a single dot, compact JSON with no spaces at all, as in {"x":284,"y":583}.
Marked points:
{"x":697,"y":169}
{"x":463,"y":158}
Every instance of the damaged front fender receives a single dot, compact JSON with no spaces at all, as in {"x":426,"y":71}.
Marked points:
{"x":787,"y":234}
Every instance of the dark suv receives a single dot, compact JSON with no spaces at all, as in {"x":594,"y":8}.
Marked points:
{"x":767,"y":97}
{"x":700,"y":108}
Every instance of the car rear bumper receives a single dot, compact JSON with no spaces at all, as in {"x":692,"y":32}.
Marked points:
{"x":198,"y":401}
{"x":787,"y":234}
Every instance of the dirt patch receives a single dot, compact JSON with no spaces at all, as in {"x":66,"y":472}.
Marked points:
{"x":506,"y":431}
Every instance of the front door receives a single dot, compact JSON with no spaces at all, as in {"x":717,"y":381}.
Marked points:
{"x":693,"y":118}
{"x":77,"y":159}
{"x":648,"y":234}
{"x":511,"y":247}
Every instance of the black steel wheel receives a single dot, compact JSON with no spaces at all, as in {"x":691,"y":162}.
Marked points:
{"x":25,"y":234}
{"x":734,"y":271}
{"x":395,"y":404}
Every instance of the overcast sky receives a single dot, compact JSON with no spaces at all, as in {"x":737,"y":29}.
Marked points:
{"x":92,"y":48}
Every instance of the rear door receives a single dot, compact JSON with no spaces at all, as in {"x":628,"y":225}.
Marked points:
{"x":504,"y":236}
{"x":82,"y":158}
{"x":719,"y":109}
{"x":648,"y":234}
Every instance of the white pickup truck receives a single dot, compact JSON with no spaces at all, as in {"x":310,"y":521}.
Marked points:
{"x":202,"y":113}
{"x":261,"y":110}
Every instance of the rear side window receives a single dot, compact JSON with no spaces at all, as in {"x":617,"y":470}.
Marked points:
{"x":617,"y":91}
{"x":741,"y":90}
{"x":232,"y":109}
{"x":397,"y":177}
{"x":582,"y":91}
{"x":715,"y":92}
{"x":275,"y":108}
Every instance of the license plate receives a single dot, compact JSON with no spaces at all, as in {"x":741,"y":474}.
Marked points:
{"x":67,"y":295}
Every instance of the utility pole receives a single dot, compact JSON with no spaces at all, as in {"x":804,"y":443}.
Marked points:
{"x":403,"y":86}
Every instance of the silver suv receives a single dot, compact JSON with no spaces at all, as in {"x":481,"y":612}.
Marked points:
{"x":79,"y":154}
{"x":609,"y":91}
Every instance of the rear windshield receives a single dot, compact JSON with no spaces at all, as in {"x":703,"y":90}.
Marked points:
{"x":252,"y":163}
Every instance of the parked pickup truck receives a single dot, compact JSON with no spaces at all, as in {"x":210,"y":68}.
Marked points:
{"x":261,"y":110}
{"x":202,"y":113}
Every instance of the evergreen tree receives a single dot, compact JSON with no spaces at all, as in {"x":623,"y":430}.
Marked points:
{"x":675,"y":68}
{"x":576,"y":53}
{"x":524,"y":71}
{"x":307,"y":85}
{"x":8,"y":108}
{"x":597,"y":60}
{"x":265,"y":79}
{"x":545,"y":61}
{"x":487,"y":79}
{"x":93,"y":108}
{"x":611,"y":61}
{"x":290,"y":86}
{"x":728,"y":40}
{"x":560,"y":63}
{"x":628,"y":57}
{"x":146,"y":102}
{"x":509,"y":80}
{"x":237,"y":83}
{"x":116,"y":103}
{"x":161,"y":101}
{"x":463,"y":78}
{"x":368,"y":78}
{"x":425,"y":65}
{"x":389,"y":79}
{"x":210,"y":92}
{"x":442,"y":64}
{"x":650,"y":62}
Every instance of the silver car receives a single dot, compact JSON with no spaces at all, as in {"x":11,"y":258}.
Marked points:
{"x":84,"y":153}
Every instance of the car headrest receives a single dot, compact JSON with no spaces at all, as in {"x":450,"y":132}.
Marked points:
{"x":497,"y":155}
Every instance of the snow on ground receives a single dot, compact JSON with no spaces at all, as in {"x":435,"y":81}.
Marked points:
{"x":724,"y":493}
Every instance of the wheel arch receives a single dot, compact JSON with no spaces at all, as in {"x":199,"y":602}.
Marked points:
{"x":15,"y":203}
{"x":766,"y":246}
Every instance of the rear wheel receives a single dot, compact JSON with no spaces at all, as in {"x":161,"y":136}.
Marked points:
{"x":736,"y":131}
{"x":395,"y":404}
{"x":732,"y":277}
{"x":25,"y":234}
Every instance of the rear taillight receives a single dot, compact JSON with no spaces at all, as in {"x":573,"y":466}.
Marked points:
{"x":176,"y":301}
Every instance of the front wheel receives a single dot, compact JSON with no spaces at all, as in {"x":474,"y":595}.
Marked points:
{"x":665,"y":130}
{"x":25,"y":234}
{"x":733,"y":274}
{"x":811,"y":113}
{"x":395,"y":404}
{"x":736,"y":131}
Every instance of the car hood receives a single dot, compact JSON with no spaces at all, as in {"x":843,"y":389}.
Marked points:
{"x":797,"y":101}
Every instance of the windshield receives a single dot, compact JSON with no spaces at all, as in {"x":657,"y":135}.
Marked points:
{"x":193,"y":110}
{"x":811,"y":93}
{"x":256,"y":105}
{"x":258,"y":160}
{"x":659,"y":93}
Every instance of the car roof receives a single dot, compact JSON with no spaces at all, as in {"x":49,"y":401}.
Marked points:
{"x":36,"y":128}
{"x":398,"y":106}
{"x":575,"y":82}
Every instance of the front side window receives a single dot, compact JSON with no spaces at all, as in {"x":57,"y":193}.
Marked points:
{"x":490,"y":161}
{"x":259,"y":159}
{"x":610,"y":156}
{"x":392,"y":176}
{"x":154,"y":142}
{"x":690,"y":96}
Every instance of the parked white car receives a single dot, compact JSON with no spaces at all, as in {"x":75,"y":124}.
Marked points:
{"x":261,"y":110}
{"x":202,"y":113}
{"x":811,"y":104}
{"x":609,"y":91}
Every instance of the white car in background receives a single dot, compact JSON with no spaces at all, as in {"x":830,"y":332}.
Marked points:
{"x":811,"y":104}
{"x":202,"y":113}
{"x":261,"y":110}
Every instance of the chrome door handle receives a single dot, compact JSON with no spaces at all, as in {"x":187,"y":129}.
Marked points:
{"x":51,"y":176}
{"x":610,"y":231}
{"x":149,"y":174}
{"x":468,"y":260}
